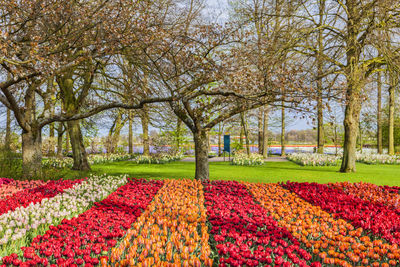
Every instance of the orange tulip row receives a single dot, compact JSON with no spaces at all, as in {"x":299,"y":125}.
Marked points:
{"x":171,"y":232}
{"x":370,"y":192}
{"x":334,"y":241}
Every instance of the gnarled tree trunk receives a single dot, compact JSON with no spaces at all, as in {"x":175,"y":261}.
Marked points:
{"x":265,"y":132}
{"x":8,"y":130}
{"x":379,"y":115}
{"x":145,"y":127}
{"x":32,"y":153}
{"x":260,"y":130}
{"x":246,"y":132}
{"x":283,"y":147}
{"x":351,"y":122}
{"x":391,"y":118}
{"x":130,"y":137}
{"x":78,"y":149}
{"x":201,"y":155}
{"x":60,"y":133}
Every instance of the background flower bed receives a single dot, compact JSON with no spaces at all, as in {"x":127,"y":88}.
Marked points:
{"x":314,"y":159}
{"x":243,"y":159}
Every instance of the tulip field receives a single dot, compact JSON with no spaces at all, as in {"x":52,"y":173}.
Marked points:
{"x":119,"y":221}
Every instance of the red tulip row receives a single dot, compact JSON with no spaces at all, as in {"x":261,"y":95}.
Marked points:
{"x":371,"y":192}
{"x":84,"y":240}
{"x":376,"y":217}
{"x":243,"y":234}
{"x":33,"y":195}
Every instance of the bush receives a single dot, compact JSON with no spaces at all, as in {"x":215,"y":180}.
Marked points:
{"x":10,"y":163}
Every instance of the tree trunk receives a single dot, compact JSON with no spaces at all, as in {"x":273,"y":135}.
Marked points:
{"x":201,"y":155}
{"x":117,"y":133}
{"x":178,"y":134}
{"x":60,"y":133}
{"x":351,"y":121}
{"x":246,"y":132}
{"x":260,"y":131}
{"x":320,"y":72}
{"x":67,"y":142}
{"x":81,"y":162}
{"x":145,"y":127}
{"x":379,"y":115}
{"x":51,"y":132}
{"x":32,"y":154}
{"x":391,"y":119}
{"x":360,"y":138}
{"x":283,"y":148}
{"x":320,"y":130}
{"x":265,"y":132}
{"x":8,"y":130}
{"x":241,"y":136}
{"x":219,"y":140}
{"x":130,"y":138}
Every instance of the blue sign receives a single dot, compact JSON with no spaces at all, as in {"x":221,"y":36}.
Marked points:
{"x":227,"y":143}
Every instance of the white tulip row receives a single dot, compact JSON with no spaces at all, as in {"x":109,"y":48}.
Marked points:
{"x":93,"y":159}
{"x":243,"y":159}
{"x":158,"y":159}
{"x":19,"y":227}
{"x":371,"y":158}
{"x":313,"y":159}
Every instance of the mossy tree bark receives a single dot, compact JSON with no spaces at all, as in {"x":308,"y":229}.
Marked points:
{"x":320,"y":73}
{"x":60,"y":134}
{"x":8,"y":130}
{"x":391,"y":117}
{"x":201,"y":155}
{"x":246,"y":132}
{"x":130,"y":135}
{"x":379,"y":114}
{"x":283,"y":132}
{"x":145,"y":128}
{"x":72,"y":104}
{"x":265,"y":132}
{"x":260,"y":130}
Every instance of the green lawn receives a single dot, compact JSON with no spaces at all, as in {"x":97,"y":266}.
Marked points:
{"x":270,"y":172}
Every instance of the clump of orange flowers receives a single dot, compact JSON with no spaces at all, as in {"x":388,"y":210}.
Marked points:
{"x":171,"y":232}
{"x":370,"y":192}
{"x":334,"y":241}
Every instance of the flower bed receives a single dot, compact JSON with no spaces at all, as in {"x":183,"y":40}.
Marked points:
{"x":34,"y":195}
{"x":372,"y":158}
{"x":242,"y":232}
{"x":113,"y":221}
{"x":376,"y":217}
{"x":7,"y":190}
{"x":19,"y":227}
{"x":371,"y":192}
{"x":333,"y":240}
{"x":65,"y":162}
{"x":5,"y":181}
{"x":314,"y":159}
{"x":83,"y":240}
{"x":157,"y":159}
{"x":171,"y":230}
{"x":245,"y":160}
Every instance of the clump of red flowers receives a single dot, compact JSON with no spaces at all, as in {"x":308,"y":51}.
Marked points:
{"x":243,"y":233}
{"x":380,"y":219}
